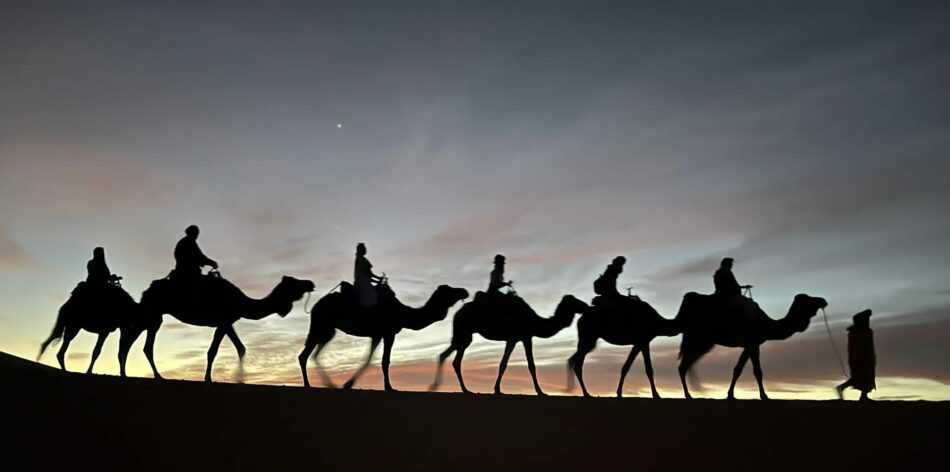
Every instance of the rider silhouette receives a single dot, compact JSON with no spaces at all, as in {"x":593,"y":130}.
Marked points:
{"x":188,"y":256}
{"x":725,"y":282}
{"x":497,"y":279}
{"x":606,"y":284}
{"x":364,"y":279}
{"x":97,"y":270}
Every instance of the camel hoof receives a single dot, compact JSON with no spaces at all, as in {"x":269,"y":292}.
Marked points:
{"x":763,"y":397}
{"x":433,"y":387}
{"x":390,"y":389}
{"x":656,"y":396}
{"x":348,"y":385}
{"x":466,"y":391}
{"x":541,"y":394}
{"x":619,"y":394}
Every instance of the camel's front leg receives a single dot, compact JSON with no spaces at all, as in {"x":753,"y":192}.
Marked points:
{"x":68,"y":335}
{"x":648,"y":367}
{"x":126,"y":339}
{"x":213,"y":351}
{"x":757,"y":370}
{"x":96,"y":351}
{"x":359,"y":372}
{"x":438,"y":368}
{"x":529,"y":353}
{"x":634,"y":352}
{"x":241,"y":350}
{"x":150,"y":351}
{"x":736,"y":372}
{"x":509,"y":346}
{"x":387,"y":353}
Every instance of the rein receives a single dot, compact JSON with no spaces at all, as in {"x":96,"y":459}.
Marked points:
{"x":307,"y":301}
{"x":833,"y":345}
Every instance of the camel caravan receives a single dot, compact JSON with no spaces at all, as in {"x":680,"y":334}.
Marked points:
{"x":369,"y":308}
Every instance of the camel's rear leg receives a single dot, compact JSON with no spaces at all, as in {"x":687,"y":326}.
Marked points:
{"x":149,"y":350}
{"x":68,"y":335}
{"x":213,"y":351}
{"x":689,"y":354}
{"x":737,"y":372}
{"x":462,"y":343}
{"x":96,"y":351}
{"x":359,"y":372}
{"x":438,"y":368}
{"x":509,"y":346}
{"x":584,"y":346}
{"x":634,"y":352}
{"x":387,"y":353}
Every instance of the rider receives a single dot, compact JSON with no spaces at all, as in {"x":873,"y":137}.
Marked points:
{"x":188,"y":256}
{"x":497,"y":279}
{"x":725,"y":282}
{"x":97,"y":270}
{"x":364,"y":278}
{"x":606,"y":284}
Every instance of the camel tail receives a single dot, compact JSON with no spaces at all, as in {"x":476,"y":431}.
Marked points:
{"x":55,"y":336}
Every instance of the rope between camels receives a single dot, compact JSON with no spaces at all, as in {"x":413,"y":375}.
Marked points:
{"x":833,"y":345}
{"x":307,"y":301}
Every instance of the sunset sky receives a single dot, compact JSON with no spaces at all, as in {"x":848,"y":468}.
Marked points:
{"x":810,"y":142}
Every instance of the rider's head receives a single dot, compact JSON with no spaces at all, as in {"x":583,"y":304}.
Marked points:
{"x":619,"y":261}
{"x":98,"y":253}
{"x":192,"y":231}
{"x":360,"y":249}
{"x":499,"y":259}
{"x":726,"y":263}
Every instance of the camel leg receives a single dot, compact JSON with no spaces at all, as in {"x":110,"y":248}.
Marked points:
{"x":125,"y":344}
{"x":241,"y":350}
{"x":737,"y":372}
{"x":308,"y":347}
{"x":462,"y":343}
{"x":509,"y":346}
{"x":529,"y":353}
{"x":648,"y":368}
{"x":757,"y":370}
{"x":387,"y":353}
{"x":327,"y":381}
{"x":584,"y":347}
{"x":634,"y":352}
{"x":438,"y":368}
{"x":213,"y":351}
{"x":150,"y":351}
{"x":68,"y":335}
{"x":369,"y":358}
{"x":687,"y":360}
{"x":96,"y":351}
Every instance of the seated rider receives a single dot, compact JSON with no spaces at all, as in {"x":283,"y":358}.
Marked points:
{"x":188,"y":256}
{"x":97,"y":270}
{"x":606,"y":284}
{"x":725,"y":282}
{"x":364,"y":280}
{"x":497,"y":279}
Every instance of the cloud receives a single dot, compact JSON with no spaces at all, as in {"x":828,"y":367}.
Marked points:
{"x":13,"y":256}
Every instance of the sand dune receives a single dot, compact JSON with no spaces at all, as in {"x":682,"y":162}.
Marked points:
{"x":55,"y":420}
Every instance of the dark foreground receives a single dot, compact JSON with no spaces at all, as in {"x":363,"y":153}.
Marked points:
{"x":59,"y":421}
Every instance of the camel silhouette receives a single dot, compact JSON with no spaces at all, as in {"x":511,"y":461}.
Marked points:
{"x":221,"y":304}
{"x":504,"y":318}
{"x":626,"y":322}
{"x":340,"y":311}
{"x":708,"y":320}
{"x":98,"y":308}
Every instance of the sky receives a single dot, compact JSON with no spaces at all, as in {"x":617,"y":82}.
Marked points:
{"x":807,"y":140}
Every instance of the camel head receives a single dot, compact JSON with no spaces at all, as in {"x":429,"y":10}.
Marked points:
{"x":448,"y":296}
{"x":573,"y":304}
{"x":290,"y":290}
{"x":804,"y":308}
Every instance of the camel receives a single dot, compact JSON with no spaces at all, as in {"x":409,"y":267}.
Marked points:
{"x":340,"y":311}
{"x":222,"y":304}
{"x":707,"y":320}
{"x":100,"y":309}
{"x":506,"y":318}
{"x":625,"y":322}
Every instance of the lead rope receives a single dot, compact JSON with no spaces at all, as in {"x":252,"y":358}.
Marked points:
{"x":307,"y":301}
{"x":833,"y":345}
